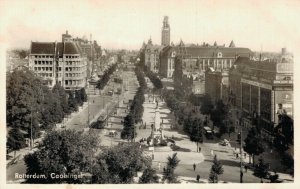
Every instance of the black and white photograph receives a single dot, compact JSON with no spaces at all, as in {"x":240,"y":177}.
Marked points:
{"x":148,"y":92}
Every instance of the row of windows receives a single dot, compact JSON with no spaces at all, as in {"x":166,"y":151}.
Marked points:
{"x":45,"y":74}
{"x":76,"y":63}
{"x":72,"y":56}
{"x":44,"y":56}
{"x":42,"y":62}
{"x":73,"y":82}
{"x":73,"y":74}
{"x":70,"y":69}
{"x":42,"y":68}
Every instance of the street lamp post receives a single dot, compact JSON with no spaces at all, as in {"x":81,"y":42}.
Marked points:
{"x":241,"y":139}
{"x":31,"y":139}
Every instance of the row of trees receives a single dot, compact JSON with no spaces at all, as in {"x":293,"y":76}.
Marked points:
{"x":136,"y":108}
{"x":185,"y":115}
{"x":72,"y":153}
{"x":154,"y":78}
{"x":32,"y":106}
{"x":64,"y":154}
{"x":105,"y":78}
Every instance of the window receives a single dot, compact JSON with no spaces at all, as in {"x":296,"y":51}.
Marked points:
{"x":219,"y":55}
{"x":35,"y":62}
{"x":35,"y":68}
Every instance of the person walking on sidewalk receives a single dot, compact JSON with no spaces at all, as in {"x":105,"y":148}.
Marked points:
{"x":198,"y":178}
{"x":194,"y":166}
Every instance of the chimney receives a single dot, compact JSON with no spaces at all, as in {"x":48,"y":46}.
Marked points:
{"x":67,"y":32}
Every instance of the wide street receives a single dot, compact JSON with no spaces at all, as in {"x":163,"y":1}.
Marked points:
{"x":117,"y":107}
{"x":99,"y":104}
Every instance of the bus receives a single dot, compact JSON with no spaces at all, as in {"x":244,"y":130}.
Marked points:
{"x":208,"y":133}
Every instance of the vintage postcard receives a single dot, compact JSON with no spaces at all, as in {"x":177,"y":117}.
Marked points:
{"x":148,"y":92}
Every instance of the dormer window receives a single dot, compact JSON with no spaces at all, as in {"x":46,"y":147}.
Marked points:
{"x":173,"y":54}
{"x":219,"y":55}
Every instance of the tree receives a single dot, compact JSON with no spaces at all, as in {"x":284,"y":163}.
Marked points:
{"x":63,"y":97}
{"x":261,"y":170}
{"x":196,"y":134}
{"x":52,"y":112}
{"x":253,"y":143}
{"x":206,"y":105}
{"x":168,"y":173}
{"x":219,"y":114}
{"x":149,"y":176}
{"x":128,"y":128}
{"x":119,"y":164}
{"x":73,"y":105}
{"x":62,"y":152}
{"x":24,"y":100}
{"x":215,"y":171}
{"x":15,"y":140}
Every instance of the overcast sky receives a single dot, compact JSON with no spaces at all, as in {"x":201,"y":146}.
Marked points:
{"x":126,"y":24}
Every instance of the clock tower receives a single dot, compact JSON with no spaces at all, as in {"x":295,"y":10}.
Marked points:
{"x":165,"y":32}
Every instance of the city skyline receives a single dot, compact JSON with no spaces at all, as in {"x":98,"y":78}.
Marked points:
{"x":125,"y":25}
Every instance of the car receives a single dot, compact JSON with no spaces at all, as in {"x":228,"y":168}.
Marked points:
{"x":224,"y":142}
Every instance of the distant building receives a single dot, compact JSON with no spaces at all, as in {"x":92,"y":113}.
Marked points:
{"x":87,"y":48}
{"x":150,"y":55}
{"x":197,"y":59}
{"x":260,"y":88}
{"x":58,"y":62}
{"x":165,"y":32}
{"x":216,"y":85}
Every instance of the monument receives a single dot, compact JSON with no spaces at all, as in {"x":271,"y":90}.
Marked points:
{"x":157,"y":130}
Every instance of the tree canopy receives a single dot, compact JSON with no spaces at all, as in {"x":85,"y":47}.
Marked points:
{"x":253,"y":143}
{"x":119,"y":164}
{"x":62,"y":152}
{"x":216,"y":170}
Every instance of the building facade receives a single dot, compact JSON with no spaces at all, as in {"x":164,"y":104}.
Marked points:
{"x":58,"y":63}
{"x":198,"y":58}
{"x":216,"y":85}
{"x":260,"y":88}
{"x":150,"y":53}
{"x":165,"y":32}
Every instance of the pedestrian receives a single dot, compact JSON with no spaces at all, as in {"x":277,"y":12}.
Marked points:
{"x":199,"y":149}
{"x":159,"y":166}
{"x":194,"y":166}
{"x":212,"y":152}
{"x":198,"y":178}
{"x":237,"y":155}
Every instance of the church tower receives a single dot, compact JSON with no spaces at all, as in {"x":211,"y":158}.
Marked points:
{"x":165,"y":32}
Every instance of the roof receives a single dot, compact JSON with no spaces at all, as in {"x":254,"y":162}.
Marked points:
{"x":49,"y":48}
{"x":210,"y":51}
{"x":42,"y":48}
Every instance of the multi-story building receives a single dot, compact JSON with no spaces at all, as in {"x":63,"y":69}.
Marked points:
{"x":165,"y":32}
{"x":260,"y":88}
{"x":150,"y":54}
{"x":197,"y":59}
{"x":216,"y":85}
{"x":88,"y":48}
{"x":58,"y":63}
